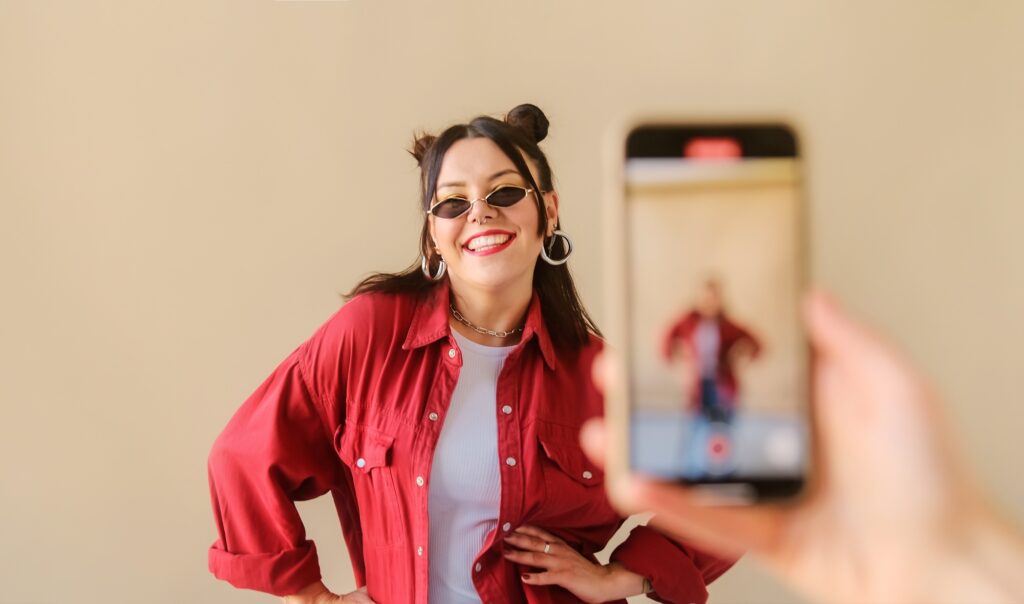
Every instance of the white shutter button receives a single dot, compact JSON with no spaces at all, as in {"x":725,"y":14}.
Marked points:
{"x":587,"y":474}
{"x":507,"y":409}
{"x":360,"y":463}
{"x":510,"y":461}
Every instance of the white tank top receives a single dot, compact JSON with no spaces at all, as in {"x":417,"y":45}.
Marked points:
{"x":465,"y":480}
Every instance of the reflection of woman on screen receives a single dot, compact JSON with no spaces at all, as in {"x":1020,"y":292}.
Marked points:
{"x":712,"y":346}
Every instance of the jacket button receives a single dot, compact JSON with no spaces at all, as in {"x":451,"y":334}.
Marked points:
{"x":588,"y":474}
{"x":433,"y":416}
{"x":419,"y":481}
{"x":451,"y":353}
{"x":506,"y":527}
{"x":419,"y":551}
{"x":360,"y":463}
{"x":479,"y":567}
{"x":506,"y":409}
{"x":510,"y":461}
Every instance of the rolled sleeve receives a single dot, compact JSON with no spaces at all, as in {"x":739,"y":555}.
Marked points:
{"x":275,"y":450}
{"x":679,"y":573}
{"x":282,"y":573}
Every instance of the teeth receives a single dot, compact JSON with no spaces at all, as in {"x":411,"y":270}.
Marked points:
{"x":487,"y":241}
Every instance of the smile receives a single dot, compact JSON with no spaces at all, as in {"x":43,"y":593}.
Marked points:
{"x":489,"y":242}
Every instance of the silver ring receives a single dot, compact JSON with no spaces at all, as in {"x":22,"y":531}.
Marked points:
{"x":547,"y":548}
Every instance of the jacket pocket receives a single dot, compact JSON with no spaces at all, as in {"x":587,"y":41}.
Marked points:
{"x":574,"y":497}
{"x":570,"y":459}
{"x":362,"y":448}
{"x":368,"y":454}
{"x":560,"y":445}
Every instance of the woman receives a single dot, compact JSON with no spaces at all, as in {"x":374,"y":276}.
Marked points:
{"x":440,"y":407}
{"x":713,"y":345}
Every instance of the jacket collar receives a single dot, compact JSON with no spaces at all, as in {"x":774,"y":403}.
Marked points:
{"x":430,"y":323}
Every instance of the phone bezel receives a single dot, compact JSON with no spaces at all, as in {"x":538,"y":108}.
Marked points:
{"x":762,"y":137}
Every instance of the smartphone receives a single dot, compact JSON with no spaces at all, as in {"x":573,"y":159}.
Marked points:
{"x":707,"y":262}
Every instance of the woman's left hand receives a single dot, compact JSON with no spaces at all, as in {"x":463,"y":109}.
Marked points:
{"x":562,"y":565}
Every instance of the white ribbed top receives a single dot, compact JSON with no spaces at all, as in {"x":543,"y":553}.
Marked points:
{"x":465,"y":480}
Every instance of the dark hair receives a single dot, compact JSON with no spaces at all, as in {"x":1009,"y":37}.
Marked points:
{"x":524,"y":127}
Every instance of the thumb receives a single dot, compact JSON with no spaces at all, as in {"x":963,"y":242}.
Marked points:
{"x":830,"y":329}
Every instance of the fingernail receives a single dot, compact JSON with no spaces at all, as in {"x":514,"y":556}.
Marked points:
{"x":526,"y":577}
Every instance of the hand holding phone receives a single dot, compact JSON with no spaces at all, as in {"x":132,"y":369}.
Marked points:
{"x":891,"y":516}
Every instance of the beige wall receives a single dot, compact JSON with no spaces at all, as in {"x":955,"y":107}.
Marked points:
{"x":186,"y":187}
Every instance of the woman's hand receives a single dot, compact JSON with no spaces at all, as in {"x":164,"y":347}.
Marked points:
{"x":317,"y":593}
{"x":562,"y":565}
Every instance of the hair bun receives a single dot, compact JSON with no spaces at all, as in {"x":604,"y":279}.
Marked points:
{"x":420,"y":145}
{"x":530,"y":119}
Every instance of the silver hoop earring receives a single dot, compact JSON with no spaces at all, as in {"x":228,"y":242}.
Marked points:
{"x":425,"y":267}
{"x":545,"y":254}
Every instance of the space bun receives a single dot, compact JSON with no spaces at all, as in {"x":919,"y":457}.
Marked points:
{"x":420,"y":145}
{"x":530,"y":120}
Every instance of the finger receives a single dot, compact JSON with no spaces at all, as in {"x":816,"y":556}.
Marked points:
{"x":592,"y":439}
{"x":525,"y":542}
{"x":539,"y":533}
{"x":535,"y":544}
{"x":726,"y":530}
{"x":543,"y":578}
{"x":598,"y":370}
{"x":534,"y":559}
{"x":835,"y":334}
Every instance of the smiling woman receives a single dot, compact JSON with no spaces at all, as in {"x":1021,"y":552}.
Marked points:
{"x":440,"y":406}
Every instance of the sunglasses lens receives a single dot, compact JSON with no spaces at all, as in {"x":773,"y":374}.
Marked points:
{"x":506,"y":196}
{"x":450,"y":208}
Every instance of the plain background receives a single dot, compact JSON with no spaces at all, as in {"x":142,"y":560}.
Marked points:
{"x":187,"y":187}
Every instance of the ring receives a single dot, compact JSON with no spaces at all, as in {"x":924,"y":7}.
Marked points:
{"x":547,"y":548}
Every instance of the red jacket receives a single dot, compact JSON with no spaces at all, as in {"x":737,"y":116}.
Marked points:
{"x":730,"y":334}
{"x":356,"y":411}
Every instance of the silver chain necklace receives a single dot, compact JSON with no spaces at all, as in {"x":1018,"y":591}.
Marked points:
{"x":487,"y":332}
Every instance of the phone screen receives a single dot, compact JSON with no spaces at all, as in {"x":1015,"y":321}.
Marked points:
{"x":717,"y":360}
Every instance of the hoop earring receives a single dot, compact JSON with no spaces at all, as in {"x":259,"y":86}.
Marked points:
{"x":545,"y":254}
{"x":425,"y":267}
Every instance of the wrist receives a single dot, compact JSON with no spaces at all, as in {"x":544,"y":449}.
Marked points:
{"x":308,"y":594}
{"x":623,"y":583}
{"x":982,"y":564}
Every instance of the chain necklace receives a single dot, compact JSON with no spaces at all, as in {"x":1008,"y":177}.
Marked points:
{"x":487,"y":332}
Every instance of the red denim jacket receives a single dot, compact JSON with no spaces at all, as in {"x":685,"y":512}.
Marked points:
{"x":356,"y":411}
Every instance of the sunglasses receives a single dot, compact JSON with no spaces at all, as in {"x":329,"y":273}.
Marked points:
{"x":502,"y":197}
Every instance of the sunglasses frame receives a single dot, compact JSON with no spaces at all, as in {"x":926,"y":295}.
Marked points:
{"x":484,"y":199}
